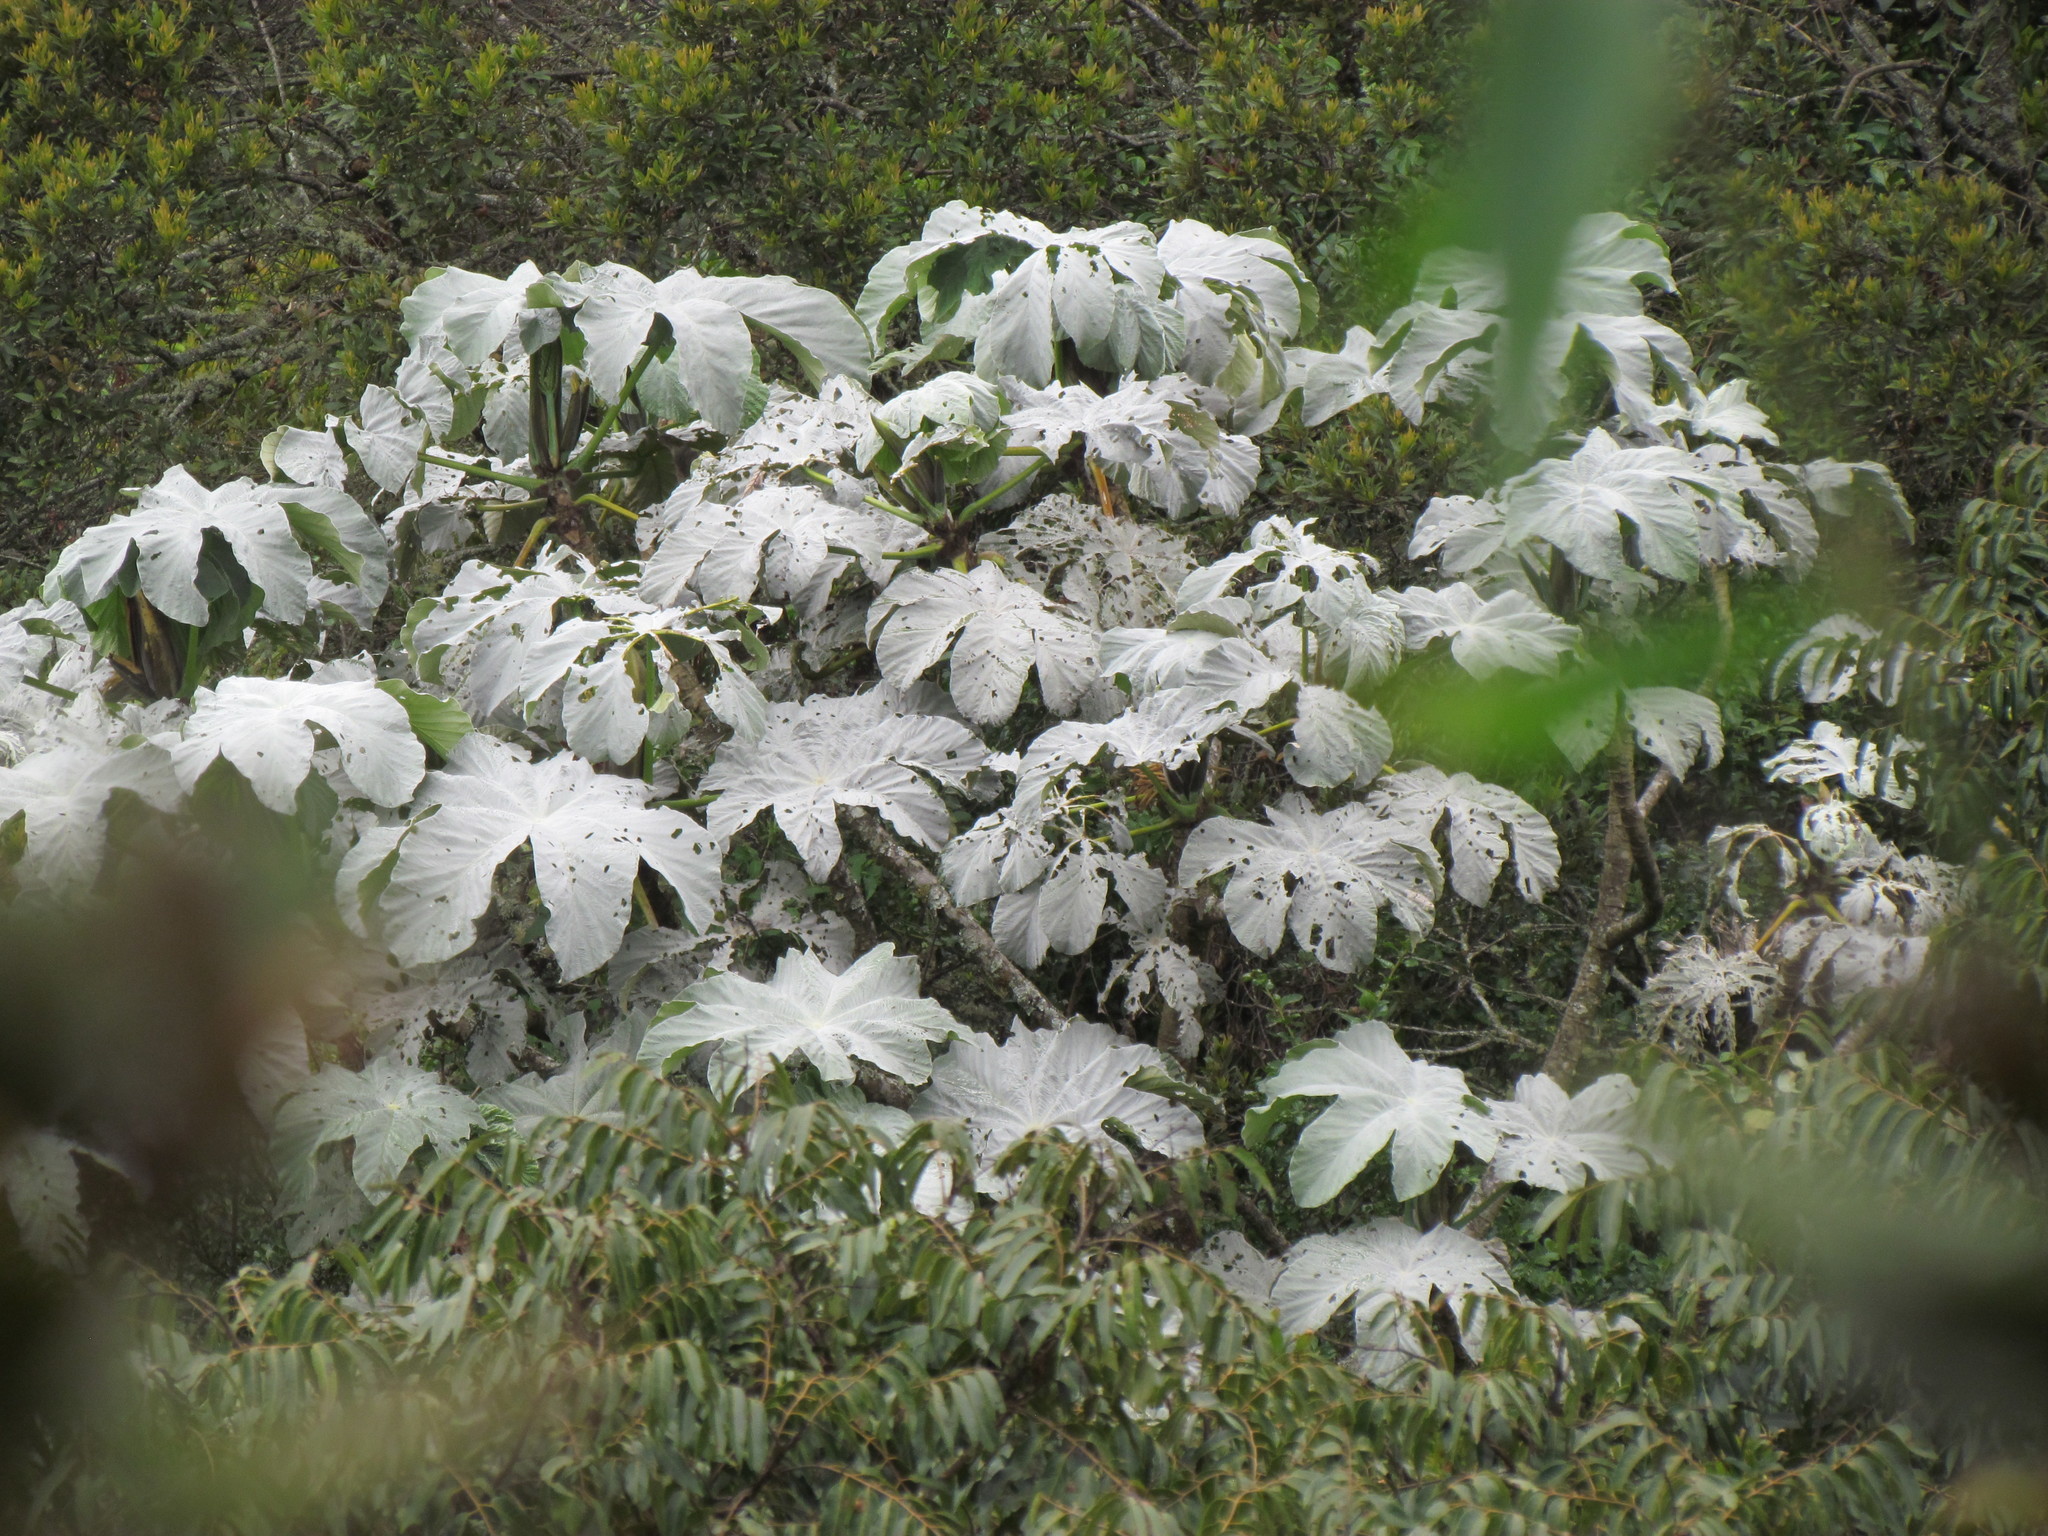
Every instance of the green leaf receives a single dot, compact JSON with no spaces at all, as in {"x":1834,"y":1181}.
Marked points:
{"x":439,"y":723}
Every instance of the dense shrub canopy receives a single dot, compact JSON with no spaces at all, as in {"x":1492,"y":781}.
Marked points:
{"x":1121,"y":856}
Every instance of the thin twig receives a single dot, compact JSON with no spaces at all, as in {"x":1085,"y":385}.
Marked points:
{"x":1163,"y":25}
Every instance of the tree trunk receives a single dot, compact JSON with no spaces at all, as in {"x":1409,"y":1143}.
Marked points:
{"x":1624,"y":851}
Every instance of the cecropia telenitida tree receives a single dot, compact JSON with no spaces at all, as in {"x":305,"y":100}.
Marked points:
{"x":752,"y":618}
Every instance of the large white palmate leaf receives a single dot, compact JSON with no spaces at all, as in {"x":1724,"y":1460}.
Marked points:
{"x":1167,"y":728}
{"x":1676,"y":726}
{"x":906,"y":274}
{"x":388,"y":1110}
{"x":1322,"y":877}
{"x":996,"y":631}
{"x":1430,"y":350}
{"x":1198,"y":655}
{"x":51,"y":681}
{"x":602,"y":667}
{"x":1448,"y":333}
{"x":61,"y":794}
{"x":1333,"y":382}
{"x":1830,"y":962}
{"x":793,"y":430}
{"x":713,"y":354}
{"x":1857,"y":490}
{"x":1771,"y":525}
{"x":821,"y":754}
{"x":270,"y":532}
{"x":787,"y":541}
{"x":1632,"y":349}
{"x":1508,"y":630}
{"x":1896,"y":894}
{"x":1592,"y":506}
{"x":305,"y":458}
{"x":1111,"y":570}
{"x":1099,"y":288}
{"x":870,"y":1012}
{"x":1552,"y":1139}
{"x":821,"y":333}
{"x":1336,"y":740}
{"x":1724,"y":412}
{"x":1381,"y":1095}
{"x":589,"y":833}
{"x":586,"y":1087}
{"x":1859,"y":768}
{"x":1049,"y":873}
{"x":707,"y":317}
{"x":1833,"y":833}
{"x":388,"y":436}
{"x":1151,"y":434}
{"x":1384,"y":1258}
{"x":1247,"y":1272}
{"x":1478,"y":819}
{"x":498,"y":618}
{"x":1252,"y":262}
{"x":1693,"y":996}
{"x":1291,"y":562}
{"x":1068,"y":1081}
{"x":1066,"y":905}
{"x":1466,"y":534}
{"x":1361,"y":635}
{"x":1235,"y":360}
{"x":269,"y":729}
{"x":952,"y":413}
{"x":471,"y":312}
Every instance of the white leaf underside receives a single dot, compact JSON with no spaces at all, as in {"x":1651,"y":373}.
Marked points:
{"x":1384,"y":1258}
{"x":996,"y":631}
{"x":870,"y":1012}
{"x":1322,"y":877}
{"x":164,"y":536}
{"x":1066,"y":1081}
{"x":589,"y":833}
{"x":1553,"y":1139}
{"x":825,"y":753}
{"x":1381,"y":1095}
{"x":265,"y":727}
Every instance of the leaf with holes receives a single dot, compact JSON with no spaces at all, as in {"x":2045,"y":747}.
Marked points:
{"x":821,"y":754}
{"x":1478,"y":819}
{"x":589,"y":833}
{"x":1553,"y":1139}
{"x":995,"y":631}
{"x":1386,"y":1257}
{"x":1322,"y":877}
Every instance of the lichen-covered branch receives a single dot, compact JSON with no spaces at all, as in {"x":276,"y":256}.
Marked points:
{"x":1002,"y":972}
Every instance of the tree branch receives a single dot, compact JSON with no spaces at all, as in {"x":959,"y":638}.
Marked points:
{"x":1165,"y":26}
{"x":1001,"y":971}
{"x":1617,"y":863}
